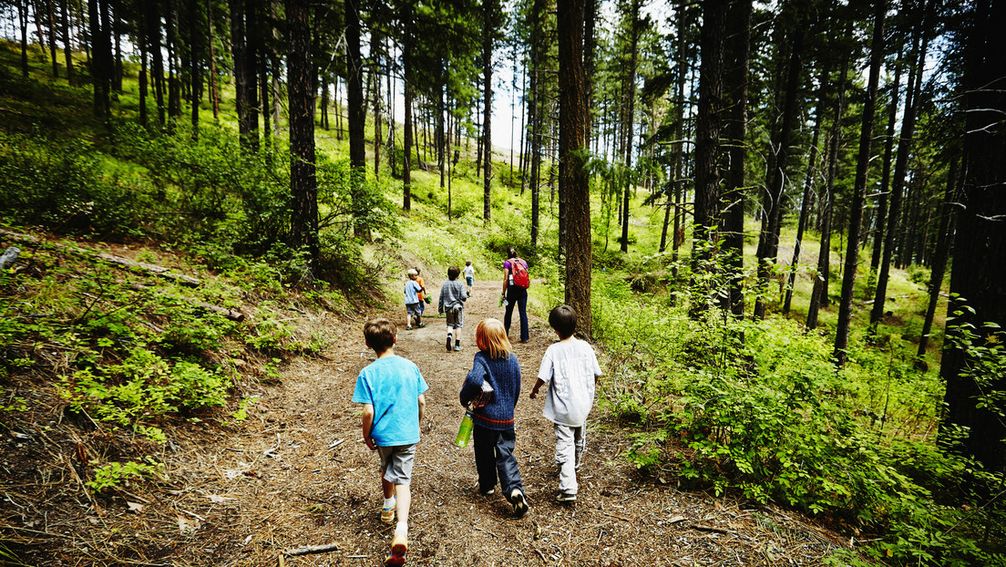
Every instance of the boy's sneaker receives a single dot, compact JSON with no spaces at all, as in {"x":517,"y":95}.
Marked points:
{"x":489,"y":492}
{"x":457,"y":348}
{"x":565,"y":497}
{"x":519,"y":502}
{"x":408,"y":327}
{"x":448,"y":344}
{"x":399,"y":547}
{"x":388,"y":515}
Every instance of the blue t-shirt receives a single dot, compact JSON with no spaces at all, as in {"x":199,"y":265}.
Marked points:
{"x":412,"y":289}
{"x":392,"y":385}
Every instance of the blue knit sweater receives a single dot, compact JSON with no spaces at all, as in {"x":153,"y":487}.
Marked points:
{"x":503,"y":374}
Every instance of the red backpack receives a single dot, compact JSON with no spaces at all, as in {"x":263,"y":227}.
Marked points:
{"x":518,"y":269}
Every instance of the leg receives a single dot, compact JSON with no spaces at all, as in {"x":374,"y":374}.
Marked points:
{"x":450,"y":331}
{"x":484,"y":441}
{"x":522,"y":300}
{"x":404,"y":496}
{"x":580,"y":442}
{"x":506,"y":463}
{"x":565,"y":457}
{"x":510,"y":303}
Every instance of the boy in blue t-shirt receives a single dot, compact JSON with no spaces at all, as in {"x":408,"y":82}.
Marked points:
{"x":391,"y":388}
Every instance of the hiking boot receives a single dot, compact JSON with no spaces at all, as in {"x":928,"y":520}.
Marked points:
{"x":399,"y":547}
{"x":565,"y":497}
{"x":457,"y":347}
{"x":519,"y":502}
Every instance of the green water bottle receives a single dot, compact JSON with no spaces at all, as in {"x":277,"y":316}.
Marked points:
{"x":464,"y":431}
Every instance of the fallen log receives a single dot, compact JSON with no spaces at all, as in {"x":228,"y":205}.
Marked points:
{"x":106,"y":257}
{"x":308,"y":549}
{"x":9,"y":256}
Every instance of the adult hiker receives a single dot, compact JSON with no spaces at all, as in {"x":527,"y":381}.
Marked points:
{"x":515,"y":284}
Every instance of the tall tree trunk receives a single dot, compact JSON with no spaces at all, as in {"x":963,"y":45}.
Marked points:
{"x":912,"y":95}
{"x":376,"y":40}
{"x":214,"y":98}
{"x":22,"y":17}
{"x":171,"y":37}
{"x":768,"y":241}
{"x":488,"y":28}
{"x":142,"y":40}
{"x":195,"y":64}
{"x":885,"y":176}
{"x":536,"y":113}
{"x":707,"y":138}
{"x":808,"y":182}
{"x":64,"y":10}
{"x":979,"y":266}
{"x":629,"y":92}
{"x":859,"y":186}
{"x":301,"y":75}
{"x":52,"y":36}
{"x":819,"y":294}
{"x":573,"y":128}
{"x":738,"y":48}
{"x":115,"y":30}
{"x":157,"y":60}
{"x":677,"y":161}
{"x":944,"y":236}
{"x":407,"y":127}
{"x":357,"y":115}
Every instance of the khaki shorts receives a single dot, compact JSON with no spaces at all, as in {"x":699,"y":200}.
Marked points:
{"x":396,"y":462}
{"x":456,"y":317}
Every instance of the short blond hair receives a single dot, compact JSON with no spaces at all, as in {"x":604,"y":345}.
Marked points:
{"x":491,"y":338}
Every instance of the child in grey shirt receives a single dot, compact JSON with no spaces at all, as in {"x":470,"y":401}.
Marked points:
{"x":452,"y":303}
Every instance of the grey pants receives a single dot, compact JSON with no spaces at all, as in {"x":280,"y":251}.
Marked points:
{"x":569,"y":445}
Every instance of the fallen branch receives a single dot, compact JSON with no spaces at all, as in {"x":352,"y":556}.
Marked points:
{"x":308,"y":549}
{"x":713,"y":529}
{"x":9,"y":256}
{"x":104,"y":256}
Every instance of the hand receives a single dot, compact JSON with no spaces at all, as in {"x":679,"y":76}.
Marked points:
{"x":534,"y":393}
{"x":370,"y":443}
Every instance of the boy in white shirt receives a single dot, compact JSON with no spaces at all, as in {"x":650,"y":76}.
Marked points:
{"x":469,"y":275}
{"x":570,"y":369}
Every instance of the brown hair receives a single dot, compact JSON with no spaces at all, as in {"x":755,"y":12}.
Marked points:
{"x":490,"y":337}
{"x":379,"y":334}
{"x":563,"y":320}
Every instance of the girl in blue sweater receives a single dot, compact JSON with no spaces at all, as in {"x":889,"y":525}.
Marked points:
{"x":492,"y":388}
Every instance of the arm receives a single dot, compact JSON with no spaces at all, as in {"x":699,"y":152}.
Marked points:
{"x":472,"y":386}
{"x":422,"y":406}
{"x":366,"y":424}
{"x":440,"y":302}
{"x":537,"y":386}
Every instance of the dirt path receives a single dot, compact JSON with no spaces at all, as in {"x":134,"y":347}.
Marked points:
{"x":297,"y":474}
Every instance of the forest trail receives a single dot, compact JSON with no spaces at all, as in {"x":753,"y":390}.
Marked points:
{"x":297,"y":473}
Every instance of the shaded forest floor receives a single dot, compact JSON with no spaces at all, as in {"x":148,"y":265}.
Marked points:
{"x":296,"y":473}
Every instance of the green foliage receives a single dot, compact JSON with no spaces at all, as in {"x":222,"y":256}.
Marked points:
{"x":115,"y":474}
{"x":757,"y":408}
{"x":60,"y":184}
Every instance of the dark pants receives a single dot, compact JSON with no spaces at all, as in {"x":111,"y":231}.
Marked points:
{"x":494,"y":458}
{"x":516,"y":295}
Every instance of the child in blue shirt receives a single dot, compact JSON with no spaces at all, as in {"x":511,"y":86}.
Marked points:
{"x":391,"y":388}
{"x":413,"y":303}
{"x":492,"y":388}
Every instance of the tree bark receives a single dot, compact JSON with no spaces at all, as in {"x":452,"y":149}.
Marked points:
{"x":885,"y":176}
{"x":737,"y":54}
{"x":573,"y":128}
{"x":67,"y":44}
{"x":808,"y":183}
{"x":912,"y":95}
{"x":944,"y":236}
{"x":768,"y":242}
{"x":979,"y":267}
{"x":22,"y":16}
{"x":195,"y":65}
{"x":629,"y":98}
{"x":407,"y":126}
{"x":707,"y":135}
{"x":488,"y":28}
{"x":357,"y":115}
{"x":819,"y":294}
{"x":859,"y":186}
{"x":301,"y":75}
{"x":215,"y":99}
